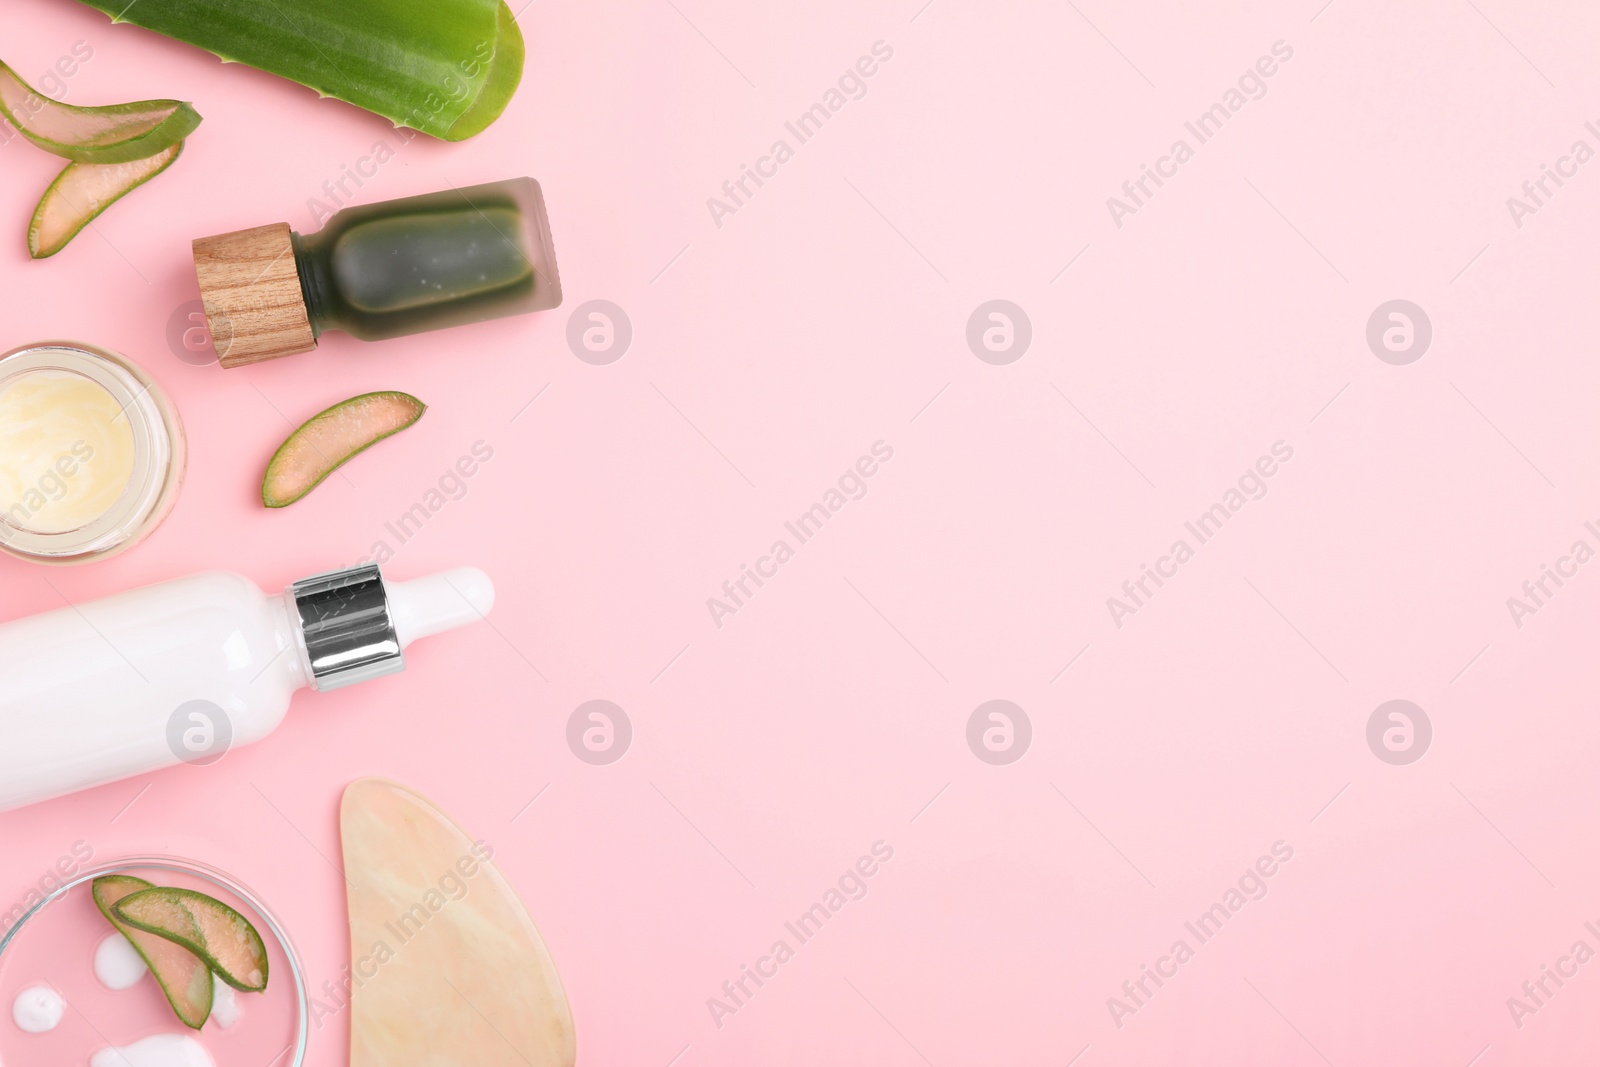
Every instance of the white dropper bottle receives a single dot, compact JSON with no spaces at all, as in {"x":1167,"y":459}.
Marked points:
{"x":184,"y":670}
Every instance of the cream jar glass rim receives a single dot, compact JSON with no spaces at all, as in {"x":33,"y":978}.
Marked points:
{"x":153,"y":448}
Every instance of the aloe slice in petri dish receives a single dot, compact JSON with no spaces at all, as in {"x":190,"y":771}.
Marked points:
{"x":216,"y":933}
{"x":184,"y":977}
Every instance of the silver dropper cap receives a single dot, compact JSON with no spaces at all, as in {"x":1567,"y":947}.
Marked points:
{"x":349,"y":627}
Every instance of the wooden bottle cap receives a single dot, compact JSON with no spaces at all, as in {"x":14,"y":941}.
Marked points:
{"x":250,"y":286}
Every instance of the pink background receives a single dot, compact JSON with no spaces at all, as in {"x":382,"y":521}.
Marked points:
{"x":830,"y":713}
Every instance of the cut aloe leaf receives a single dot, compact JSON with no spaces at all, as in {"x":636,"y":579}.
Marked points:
{"x":331,"y":438}
{"x":81,"y":192}
{"x":184,"y":977}
{"x":113,"y":134}
{"x":445,"y":67}
{"x":205,"y":926}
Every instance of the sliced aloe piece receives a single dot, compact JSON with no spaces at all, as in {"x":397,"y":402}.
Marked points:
{"x":113,"y":134}
{"x":82,"y":191}
{"x":184,"y":977}
{"x":445,"y":67}
{"x":203,"y":925}
{"x":331,"y":438}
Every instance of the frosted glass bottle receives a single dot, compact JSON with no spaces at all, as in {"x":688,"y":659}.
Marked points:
{"x":184,"y":670}
{"x":376,"y":271}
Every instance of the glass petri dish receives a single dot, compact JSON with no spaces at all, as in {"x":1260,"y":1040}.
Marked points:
{"x":53,"y":944}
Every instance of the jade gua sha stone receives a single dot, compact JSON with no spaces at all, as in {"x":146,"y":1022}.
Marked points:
{"x":445,"y":67}
{"x":446,"y":965}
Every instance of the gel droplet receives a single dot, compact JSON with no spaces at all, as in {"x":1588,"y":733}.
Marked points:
{"x":225,"y":1010}
{"x":117,"y":963}
{"x":38,"y":1009}
{"x":158,"y":1050}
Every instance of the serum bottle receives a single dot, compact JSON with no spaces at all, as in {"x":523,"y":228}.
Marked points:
{"x":184,"y":670}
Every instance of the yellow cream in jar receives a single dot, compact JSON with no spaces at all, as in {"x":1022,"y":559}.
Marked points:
{"x":66,"y":451}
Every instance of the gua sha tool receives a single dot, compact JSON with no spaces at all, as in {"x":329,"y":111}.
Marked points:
{"x":379,"y":270}
{"x":446,"y":966}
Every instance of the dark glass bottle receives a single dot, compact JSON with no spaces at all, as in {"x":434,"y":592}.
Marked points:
{"x":380,"y":270}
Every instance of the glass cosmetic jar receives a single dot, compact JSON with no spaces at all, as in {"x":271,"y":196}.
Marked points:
{"x":91,"y":453}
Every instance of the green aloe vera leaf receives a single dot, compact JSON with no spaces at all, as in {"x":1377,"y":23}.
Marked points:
{"x":445,"y":67}
{"x":82,"y":191}
{"x":116,"y":133}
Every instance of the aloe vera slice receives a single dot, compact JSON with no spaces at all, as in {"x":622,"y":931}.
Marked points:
{"x":445,"y":67}
{"x":331,"y":438}
{"x":82,"y":191}
{"x":184,"y":977}
{"x":113,"y":134}
{"x":203,"y":925}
